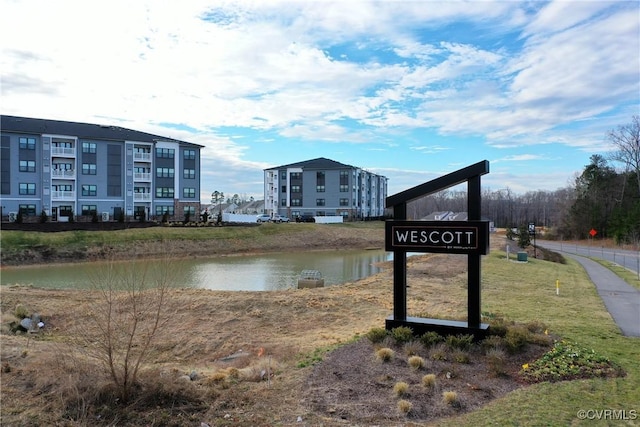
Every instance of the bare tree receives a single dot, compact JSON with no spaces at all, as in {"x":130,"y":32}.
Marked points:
{"x":626,"y":139}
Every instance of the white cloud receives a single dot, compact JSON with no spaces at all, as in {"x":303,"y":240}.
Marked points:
{"x":532,"y":75}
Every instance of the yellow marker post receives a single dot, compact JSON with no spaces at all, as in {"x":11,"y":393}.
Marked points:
{"x":557,"y":287}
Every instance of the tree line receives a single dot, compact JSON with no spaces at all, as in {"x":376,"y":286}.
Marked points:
{"x":605,"y":197}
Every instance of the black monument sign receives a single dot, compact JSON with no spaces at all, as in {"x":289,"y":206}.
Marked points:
{"x":460,"y":237}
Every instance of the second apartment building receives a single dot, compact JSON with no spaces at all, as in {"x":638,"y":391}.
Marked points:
{"x":324,"y":187}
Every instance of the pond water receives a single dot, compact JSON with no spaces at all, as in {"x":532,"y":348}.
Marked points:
{"x":237,"y":273}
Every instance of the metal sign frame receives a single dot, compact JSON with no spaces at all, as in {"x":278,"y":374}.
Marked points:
{"x":470,"y":174}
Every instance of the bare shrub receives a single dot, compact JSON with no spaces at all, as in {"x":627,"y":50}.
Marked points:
{"x":125,"y":317}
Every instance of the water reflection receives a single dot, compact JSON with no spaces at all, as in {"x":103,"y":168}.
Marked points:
{"x":238,"y":273}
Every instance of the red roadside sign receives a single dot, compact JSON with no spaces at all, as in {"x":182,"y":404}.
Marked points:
{"x":593,"y":232}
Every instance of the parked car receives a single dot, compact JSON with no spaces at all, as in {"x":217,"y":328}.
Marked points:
{"x":263,"y":218}
{"x":281,"y":218}
{"x":305,"y":218}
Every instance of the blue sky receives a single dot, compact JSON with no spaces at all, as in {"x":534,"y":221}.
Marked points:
{"x":410,"y":90}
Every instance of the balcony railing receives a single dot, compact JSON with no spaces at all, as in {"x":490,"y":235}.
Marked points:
{"x":142,"y":157}
{"x":141,"y":197}
{"x":63,"y":195}
{"x":63,"y":151}
{"x":67,"y":174}
{"x":142,"y":177}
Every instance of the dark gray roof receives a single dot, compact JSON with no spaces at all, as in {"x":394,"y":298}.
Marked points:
{"x":33,"y":126}
{"x":319,"y":163}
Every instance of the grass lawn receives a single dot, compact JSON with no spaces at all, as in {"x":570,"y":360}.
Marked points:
{"x":526,"y":292}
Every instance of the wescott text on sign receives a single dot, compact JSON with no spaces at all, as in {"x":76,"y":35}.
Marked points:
{"x":463,"y":237}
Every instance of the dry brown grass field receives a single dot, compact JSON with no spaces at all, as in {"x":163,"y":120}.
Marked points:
{"x":254,"y":357}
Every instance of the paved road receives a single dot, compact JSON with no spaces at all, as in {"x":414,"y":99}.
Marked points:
{"x":621,"y":299}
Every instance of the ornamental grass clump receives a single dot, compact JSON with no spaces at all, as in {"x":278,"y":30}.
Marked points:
{"x":412,"y":348}
{"x":496,"y":360}
{"x":429,"y":380}
{"x":416,"y":362}
{"x":516,"y":338}
{"x":450,"y":397}
{"x":404,"y":406}
{"x":438,"y":352}
{"x":401,"y":388}
{"x":384,"y":354}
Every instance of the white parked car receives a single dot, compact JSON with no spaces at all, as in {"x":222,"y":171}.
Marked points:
{"x":263,"y":218}
{"x":281,"y":218}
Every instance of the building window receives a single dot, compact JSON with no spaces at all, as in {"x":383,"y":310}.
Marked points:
{"x":62,"y":187}
{"x":320,"y":202}
{"x":189,"y":154}
{"x":160,"y":210}
{"x":344,"y":188}
{"x":189,"y":174}
{"x":283,"y":189}
{"x":296,"y":189}
{"x":164,"y":192}
{"x":89,"y":190}
{"x":319,"y":188}
{"x":296,"y":202}
{"x":27,"y":210}
{"x":62,"y":144}
{"x":88,"y":169}
{"x":189,"y":193}
{"x":164,"y":172}
{"x":27,"y":143}
{"x":283,"y":176}
{"x":27,"y":166}
{"x":189,"y":210}
{"x":344,"y":202}
{"x":296,"y":175}
{"x":26,"y":189}
{"x":283,"y":202}
{"x":89,"y":210}
{"x":89,"y":147}
{"x":62,"y":166}
{"x":165,"y":153}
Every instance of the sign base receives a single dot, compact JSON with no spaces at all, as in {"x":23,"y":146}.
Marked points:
{"x":420,"y":326}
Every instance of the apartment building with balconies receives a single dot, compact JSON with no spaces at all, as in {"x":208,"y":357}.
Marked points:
{"x":70,"y":170}
{"x":324,"y":187}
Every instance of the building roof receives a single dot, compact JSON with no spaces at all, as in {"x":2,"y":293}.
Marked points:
{"x":29,"y":125}
{"x":319,"y":163}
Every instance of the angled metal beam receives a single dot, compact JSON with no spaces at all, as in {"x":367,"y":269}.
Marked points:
{"x":438,"y":184}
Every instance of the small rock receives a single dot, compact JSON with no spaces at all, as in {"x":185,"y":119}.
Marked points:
{"x":193,"y":375}
{"x":184,"y":378}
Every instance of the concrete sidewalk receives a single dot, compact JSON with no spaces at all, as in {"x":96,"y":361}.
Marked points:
{"x":621,"y":299}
